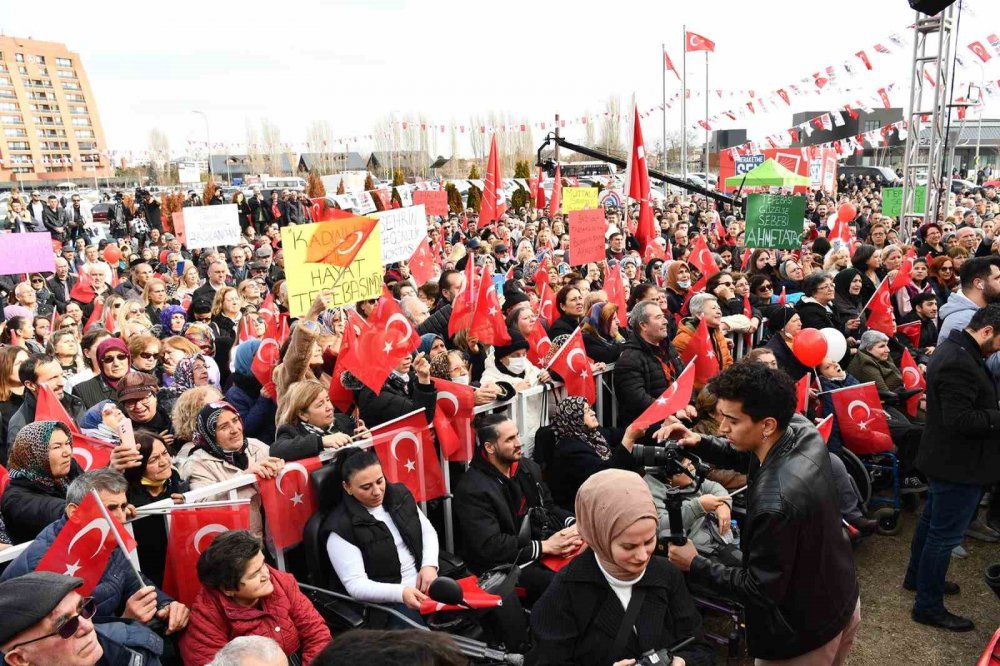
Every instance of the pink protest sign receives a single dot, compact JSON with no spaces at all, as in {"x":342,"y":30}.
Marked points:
{"x":26,"y":253}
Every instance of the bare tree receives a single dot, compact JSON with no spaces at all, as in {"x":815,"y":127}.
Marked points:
{"x":270,"y":141}
{"x":319,"y":142}
{"x":159,"y":153}
{"x":611,"y":126}
{"x":253,"y":147}
{"x":589,"y":131}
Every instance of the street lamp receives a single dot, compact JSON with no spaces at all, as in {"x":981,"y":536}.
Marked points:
{"x":208,"y":140}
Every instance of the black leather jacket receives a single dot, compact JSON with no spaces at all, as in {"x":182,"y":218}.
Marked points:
{"x":797,"y":580}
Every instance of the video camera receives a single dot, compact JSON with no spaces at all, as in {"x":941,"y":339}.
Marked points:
{"x":664,"y":462}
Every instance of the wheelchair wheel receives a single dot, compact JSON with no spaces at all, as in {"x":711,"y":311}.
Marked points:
{"x":859,"y":475}
{"x":888,"y":521}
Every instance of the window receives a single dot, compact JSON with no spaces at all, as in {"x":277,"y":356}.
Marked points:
{"x":872,"y":125}
{"x":9,"y":94}
{"x":5,"y":81}
{"x":67,"y":74}
{"x":67,"y":85}
{"x":87,"y":145}
{"x":19,"y":57}
{"x":3,"y":67}
{"x":43,"y":71}
{"x":22,"y":70}
{"x":14,"y":131}
{"x":37,"y":59}
{"x":59,"y":133}
{"x":85,"y":134}
{"x":18,"y":145}
{"x":45,"y":108}
{"x":64,"y":62}
{"x":8,"y":106}
{"x":21,"y":159}
{"x":73,"y":97}
{"x":79,"y":122}
{"x":78,"y":110}
{"x":7,"y":119}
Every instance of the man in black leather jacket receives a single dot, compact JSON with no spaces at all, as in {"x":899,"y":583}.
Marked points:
{"x":797,"y":580}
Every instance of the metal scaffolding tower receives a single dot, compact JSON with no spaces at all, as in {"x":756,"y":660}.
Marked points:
{"x":929,"y":108}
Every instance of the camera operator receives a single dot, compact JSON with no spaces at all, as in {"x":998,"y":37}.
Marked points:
{"x":795,"y":551}
{"x":616,"y":602}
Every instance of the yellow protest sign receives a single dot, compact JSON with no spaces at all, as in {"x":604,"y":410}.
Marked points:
{"x":578,"y":198}
{"x":324,"y":242}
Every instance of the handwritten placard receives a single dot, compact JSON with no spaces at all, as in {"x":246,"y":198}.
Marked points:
{"x":586,"y":236}
{"x":892,"y":200}
{"x":435,"y":203}
{"x":210,"y":226}
{"x":579,"y":198}
{"x":775,"y":222}
{"x":26,"y":253}
{"x":402,"y":230}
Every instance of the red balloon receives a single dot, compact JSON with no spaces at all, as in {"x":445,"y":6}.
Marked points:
{"x":809,"y":346}
{"x":112,"y":254}
{"x":847,"y":212}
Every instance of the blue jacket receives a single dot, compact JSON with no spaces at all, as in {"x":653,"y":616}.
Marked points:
{"x":117,"y":584}
{"x":257,"y":411}
{"x":826,"y":385}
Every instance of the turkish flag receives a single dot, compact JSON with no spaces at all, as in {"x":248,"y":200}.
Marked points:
{"x":48,"y":408}
{"x":911,"y":331}
{"x":247,"y":330}
{"x":701,"y":257}
{"x":912,"y":379}
{"x":637,"y":182}
{"x":747,"y":308}
{"x":422,"y":262}
{"x":614,"y":286}
{"x":90,"y":452}
{"x":668,"y":65}
{"x":322,"y":212}
{"x":825,"y":428}
{"x":695,"y":42}
{"x":464,"y":305}
{"x":342,"y":397}
{"x":84,"y":545}
{"x":783,"y":298}
{"x":276,"y":325}
{"x":191,"y":532}
{"x":473,"y":597}
{"x":675,"y":398}
{"x":802,"y":394}
{"x":700,"y":349}
{"x":555,"y":201}
{"x":83,"y":290}
{"x":539,"y":191}
{"x":494,"y":202}
{"x":862,"y":422}
{"x":653,"y":251}
{"x":265,"y":361}
{"x":541,"y":276}
{"x":399,"y":333}
{"x":864,"y":59}
{"x":539,"y":343}
{"x":453,"y":419}
{"x":840,"y":232}
{"x":573,"y":366}
{"x":903,"y":276}
{"x":880,"y":316}
{"x":547,"y":305}
{"x":980,"y":50}
{"x":488,"y":324}
{"x":289,"y":500}
{"x":696,"y":288}
{"x":338,"y":243}
{"x":369,"y":360}
{"x":406,"y":450}
{"x":96,"y":314}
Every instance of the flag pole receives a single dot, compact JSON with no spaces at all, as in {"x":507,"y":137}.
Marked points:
{"x":684,"y":105}
{"x":118,"y":537}
{"x":706,"y":116}
{"x":663,"y":113}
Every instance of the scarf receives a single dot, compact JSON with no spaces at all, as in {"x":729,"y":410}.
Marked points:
{"x":607,"y":504}
{"x":568,"y":423}
{"x":204,"y":435}
{"x":184,"y":372}
{"x":316,"y":430}
{"x":29,"y":457}
{"x":112,"y":344}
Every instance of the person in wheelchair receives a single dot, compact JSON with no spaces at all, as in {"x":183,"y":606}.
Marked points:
{"x":382,"y":547}
{"x":707,"y":514}
{"x":873,"y":363}
{"x":615,"y":601}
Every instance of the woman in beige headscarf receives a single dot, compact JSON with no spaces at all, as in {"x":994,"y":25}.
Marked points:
{"x":579,"y":618}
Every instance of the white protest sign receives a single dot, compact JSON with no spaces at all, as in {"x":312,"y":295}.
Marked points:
{"x":211,"y":226}
{"x":402,"y":229}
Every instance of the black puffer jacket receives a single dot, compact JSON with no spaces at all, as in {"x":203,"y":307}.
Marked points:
{"x":795,"y":551}
{"x":640,"y":378}
{"x":437,"y":322}
{"x":294,"y":442}
{"x":393,"y":401}
{"x":29,"y":507}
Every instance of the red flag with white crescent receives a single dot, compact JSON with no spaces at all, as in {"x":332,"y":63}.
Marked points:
{"x":488,"y":324}
{"x":700,"y":350}
{"x":879,"y":308}
{"x":538,"y":343}
{"x":695,"y":42}
{"x":494,"y":202}
{"x":464,"y":305}
{"x":615,"y":288}
{"x":556,"y":200}
{"x":701,"y":257}
{"x":191,"y":532}
{"x":422,"y":262}
{"x":401,"y":337}
{"x":547,"y":311}
{"x":675,"y":398}
{"x":453,"y":420}
{"x":289,"y":501}
{"x":863,"y":426}
{"x":980,"y":51}
{"x":913,"y":378}
{"x":573,"y":366}
{"x":912,"y":331}
{"x":637,"y":182}
{"x":407,"y":453}
{"x":264,"y":362}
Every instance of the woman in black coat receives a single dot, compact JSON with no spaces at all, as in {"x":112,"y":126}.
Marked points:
{"x":602,"y":333}
{"x":583,"y":448}
{"x":152,"y":480}
{"x":784,"y":325}
{"x":569,"y":302}
{"x":579,"y":619}
{"x":401,"y":394}
{"x":308,"y":423}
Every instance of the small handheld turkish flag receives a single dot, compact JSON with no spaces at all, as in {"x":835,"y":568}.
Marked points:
{"x":264,"y":362}
{"x":911,"y":331}
{"x":399,"y":333}
{"x":912,"y":379}
{"x":453,"y":419}
{"x":701,"y":257}
{"x":538,"y":343}
{"x":463,"y":306}
{"x":547,"y":305}
{"x":880,"y":315}
{"x":422,"y":262}
{"x":289,"y":501}
{"x":408,"y":456}
{"x":674,"y":399}
{"x":191,"y":532}
{"x":488,"y":325}
{"x":862,"y":422}
{"x":700,"y":349}
{"x":473,"y":597}
{"x":573,"y":366}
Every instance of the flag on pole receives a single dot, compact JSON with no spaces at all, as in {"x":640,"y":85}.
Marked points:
{"x":695,"y":42}
{"x":879,"y":308}
{"x":494,"y":202}
{"x":862,"y":422}
{"x":408,"y":456}
{"x":556,"y":200}
{"x":453,"y":419}
{"x":912,"y":379}
{"x":573,"y":366}
{"x":637,"y":182}
{"x":675,"y":398}
{"x":191,"y":532}
{"x":668,"y":64}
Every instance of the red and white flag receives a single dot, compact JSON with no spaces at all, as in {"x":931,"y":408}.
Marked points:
{"x":85,"y":544}
{"x":547,"y":305}
{"x":494,"y":202}
{"x":541,"y":275}
{"x":911,"y":331}
{"x":464,"y":305}
{"x":912,"y":379}
{"x":400,"y":337}
{"x":191,"y":532}
{"x":289,"y":501}
{"x":573,"y":366}
{"x":695,"y":42}
{"x":701,"y":257}
{"x":880,"y":315}
{"x":802,"y":394}
{"x":675,"y":398}
{"x":615,"y":287}
{"x":637,"y":182}
{"x":341,"y":396}
{"x":825,"y":428}
{"x":539,"y":343}
{"x":406,"y":450}
{"x":980,"y":51}
{"x":89,"y":452}
{"x":668,"y":65}
{"x":539,"y":191}
{"x":422,"y":262}
{"x":903,"y":276}
{"x":453,"y":420}
{"x":556,"y":199}
{"x":863,"y":426}
{"x":473,"y":597}
{"x":700,"y":350}
{"x":488,"y":324}
{"x":264,"y":362}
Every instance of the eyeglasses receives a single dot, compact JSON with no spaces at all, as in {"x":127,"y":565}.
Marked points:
{"x":66,"y":630}
{"x":132,"y":402}
{"x":148,"y":356}
{"x":111,"y":358}
{"x":764,"y":287}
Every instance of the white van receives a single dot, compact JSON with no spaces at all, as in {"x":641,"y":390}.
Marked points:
{"x":283,"y":183}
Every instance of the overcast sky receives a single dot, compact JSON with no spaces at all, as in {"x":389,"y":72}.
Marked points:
{"x":353,"y":61}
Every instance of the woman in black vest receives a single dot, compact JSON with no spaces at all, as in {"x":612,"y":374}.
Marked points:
{"x":382,"y":547}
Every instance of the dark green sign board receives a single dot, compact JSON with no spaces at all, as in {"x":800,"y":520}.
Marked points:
{"x":775,"y":222}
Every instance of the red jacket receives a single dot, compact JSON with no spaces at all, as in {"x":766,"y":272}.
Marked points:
{"x":286,"y":616}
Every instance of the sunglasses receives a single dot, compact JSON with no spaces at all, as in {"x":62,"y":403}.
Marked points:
{"x":148,"y":356}
{"x":111,"y":358}
{"x":65,"y":631}
{"x":764,"y":287}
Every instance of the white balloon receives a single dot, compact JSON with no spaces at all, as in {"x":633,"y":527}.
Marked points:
{"x":836,"y":344}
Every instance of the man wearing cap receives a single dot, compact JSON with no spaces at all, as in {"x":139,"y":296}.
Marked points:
{"x":504,"y":261}
{"x":265,"y":255}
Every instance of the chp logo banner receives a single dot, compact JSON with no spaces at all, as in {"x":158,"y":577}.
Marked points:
{"x":342,"y":256}
{"x":402,"y":230}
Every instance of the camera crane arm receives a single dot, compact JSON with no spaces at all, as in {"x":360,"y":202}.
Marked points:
{"x":620,"y":163}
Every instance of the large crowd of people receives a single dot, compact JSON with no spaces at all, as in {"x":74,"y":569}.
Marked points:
{"x":135,"y":327}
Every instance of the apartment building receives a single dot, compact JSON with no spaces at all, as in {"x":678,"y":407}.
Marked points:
{"x":48,"y":115}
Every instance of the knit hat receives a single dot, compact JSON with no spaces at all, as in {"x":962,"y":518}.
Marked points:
{"x":112,"y":344}
{"x":512,"y":298}
{"x":136,"y":385}
{"x":780,"y":318}
{"x":517,"y":342}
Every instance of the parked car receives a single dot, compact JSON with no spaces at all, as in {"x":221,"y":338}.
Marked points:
{"x":884,"y":176}
{"x":100,"y":211}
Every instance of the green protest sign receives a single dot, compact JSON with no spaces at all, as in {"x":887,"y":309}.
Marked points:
{"x":774,"y":222}
{"x":892,"y":200}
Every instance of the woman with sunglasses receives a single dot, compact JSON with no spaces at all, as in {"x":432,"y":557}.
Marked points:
{"x":762,"y":294}
{"x":131,"y":311}
{"x":145,"y":351}
{"x":113,"y":361}
{"x":942,"y":278}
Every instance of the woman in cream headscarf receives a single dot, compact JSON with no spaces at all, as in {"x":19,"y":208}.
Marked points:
{"x":578,"y":619}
